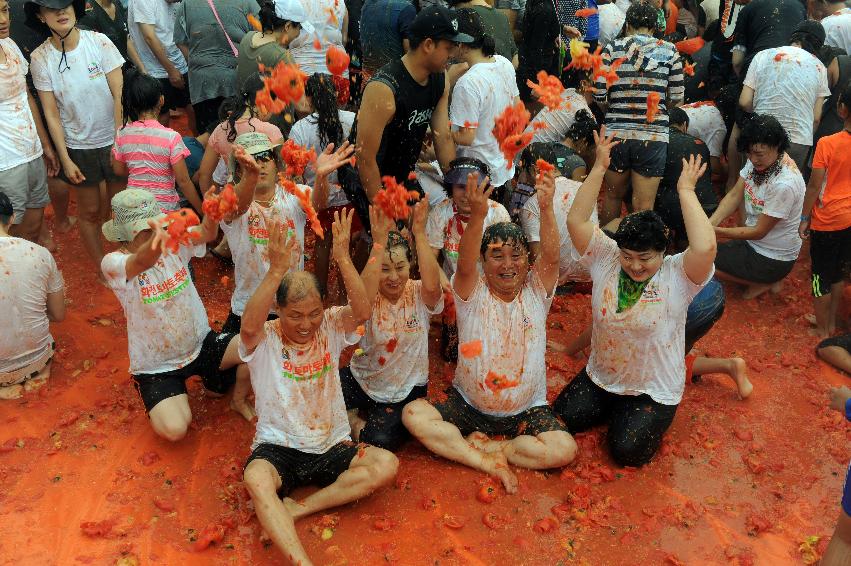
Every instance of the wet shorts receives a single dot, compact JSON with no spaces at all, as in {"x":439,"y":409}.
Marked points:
{"x":156,"y":387}
{"x":175,"y":97}
{"x":532,"y":421}
{"x":94,"y":164}
{"x":647,"y":158}
{"x":297,"y":468}
{"x":233,"y":323}
{"x":739,"y":259}
{"x":843,"y":341}
{"x":830,"y":253}
{"x":26,"y":187}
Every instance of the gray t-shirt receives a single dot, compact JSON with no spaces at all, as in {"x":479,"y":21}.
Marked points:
{"x":212,"y":63}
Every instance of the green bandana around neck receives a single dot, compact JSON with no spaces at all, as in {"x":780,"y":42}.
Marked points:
{"x":629,"y":291}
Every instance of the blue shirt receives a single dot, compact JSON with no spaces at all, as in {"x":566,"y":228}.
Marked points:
{"x":383,"y":26}
{"x":592,"y":32}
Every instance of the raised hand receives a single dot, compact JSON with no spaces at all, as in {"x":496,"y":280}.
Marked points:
{"x":341,"y":230}
{"x":381,"y":225}
{"x":545,"y":189}
{"x":420,"y":217}
{"x":246,"y":160}
{"x":330,"y":160}
{"x":604,"y":148}
{"x":158,"y":235}
{"x":280,"y":248}
{"x":478,"y":194}
{"x":693,"y":168}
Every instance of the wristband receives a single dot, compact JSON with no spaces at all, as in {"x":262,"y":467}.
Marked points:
{"x":804,"y":218}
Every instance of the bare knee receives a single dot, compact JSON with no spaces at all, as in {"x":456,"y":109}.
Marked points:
{"x":171,"y":422}
{"x":257,"y":480}
{"x":382,"y":466}
{"x":417,"y":413}
{"x":560,"y":447}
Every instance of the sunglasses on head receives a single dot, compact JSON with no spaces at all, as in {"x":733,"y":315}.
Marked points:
{"x":264,"y":156}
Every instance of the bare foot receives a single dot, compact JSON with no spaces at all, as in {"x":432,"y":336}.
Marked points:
{"x":66,"y":225}
{"x":243,"y":408}
{"x":555,"y":347}
{"x":46,"y":241}
{"x":496,"y":465}
{"x":776,"y":288}
{"x":480,"y":441}
{"x":39,"y":380}
{"x":296,"y":510}
{"x":739,"y":372}
{"x":754,"y":291}
{"x":9,"y":392}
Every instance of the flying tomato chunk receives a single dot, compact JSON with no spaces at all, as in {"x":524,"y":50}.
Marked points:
{"x":296,"y":158}
{"x":220,"y":205}
{"x":179,"y":222}
{"x":585,"y":12}
{"x":543,"y":167}
{"x":548,"y":89}
{"x":395,"y":198}
{"x":284,"y":86}
{"x":303,"y":197}
{"x":336,"y":60}
{"x":509,"y":129}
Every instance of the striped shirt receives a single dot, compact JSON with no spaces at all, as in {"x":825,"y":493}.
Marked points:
{"x":649,"y":65}
{"x":150,"y":151}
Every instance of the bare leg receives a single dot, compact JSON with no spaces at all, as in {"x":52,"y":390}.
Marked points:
{"x":262,"y":481}
{"x":552,"y":449}
{"x":356,"y":422}
{"x":9,"y":392}
{"x":60,"y":196}
{"x":838,"y":552}
{"x":734,"y":367}
{"x":241,"y":391}
{"x":836,"y":291}
{"x":616,"y":185}
{"x":170,"y":417}
{"x":822,"y":307}
{"x":88,"y":206}
{"x":444,"y":439}
{"x":223,"y":249}
{"x":367,"y":472}
{"x":836,"y":356}
{"x":644,"y":191}
{"x":753,"y":290}
{"x":30,"y":226}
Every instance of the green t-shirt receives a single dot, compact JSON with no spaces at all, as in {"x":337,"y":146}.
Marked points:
{"x":269,"y":54}
{"x":496,"y":25}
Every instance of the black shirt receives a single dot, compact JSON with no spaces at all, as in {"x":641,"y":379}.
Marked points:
{"x":25,"y":37}
{"x":539,"y":48}
{"x":96,"y":19}
{"x":695,"y":86}
{"x":402,"y":140}
{"x":765,"y":24}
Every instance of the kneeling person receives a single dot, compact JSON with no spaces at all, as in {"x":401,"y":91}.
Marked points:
{"x":502,"y":389}
{"x":302,"y":432}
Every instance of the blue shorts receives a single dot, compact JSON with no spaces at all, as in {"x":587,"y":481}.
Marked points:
{"x":846,"y":493}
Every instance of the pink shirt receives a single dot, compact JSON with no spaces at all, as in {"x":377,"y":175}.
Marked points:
{"x":150,"y":151}
{"x":219,"y":138}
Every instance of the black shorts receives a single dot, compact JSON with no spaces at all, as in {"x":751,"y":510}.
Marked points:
{"x":350,"y":182}
{"x":830,"y":253}
{"x":297,"y":468}
{"x":843,"y":341}
{"x":647,"y":158}
{"x":207,"y":114}
{"x":739,"y":259}
{"x":94,"y":164}
{"x":531,"y":422}
{"x":233,"y":323}
{"x":174,"y":97}
{"x":156,"y":387}
{"x":384,"y":427}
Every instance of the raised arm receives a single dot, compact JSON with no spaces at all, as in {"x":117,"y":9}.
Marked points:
{"x":280,"y":251}
{"x":376,"y":110}
{"x":547,"y":263}
{"x":360,"y":288}
{"x":700,"y":255}
{"x":429,"y":269}
{"x":249,"y":170}
{"x":146,"y":256}
{"x":467,"y":273}
{"x":579,"y":224}
{"x":326,"y":163}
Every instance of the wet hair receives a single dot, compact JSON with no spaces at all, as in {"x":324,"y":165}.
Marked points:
{"x":677,"y":116}
{"x":807,"y":41}
{"x":764,"y":129}
{"x":535,"y":151}
{"x":470,"y":22}
{"x":6,"y":210}
{"x":642,"y":231}
{"x":642,"y":15}
{"x":295,"y":286}
{"x":505,"y":233}
{"x":323,"y":95}
{"x":269,"y":20}
{"x":726,"y":101}
{"x":235,"y":106}
{"x":845,"y":97}
{"x":140,"y":93}
{"x":397,"y":240}
{"x":583,"y":128}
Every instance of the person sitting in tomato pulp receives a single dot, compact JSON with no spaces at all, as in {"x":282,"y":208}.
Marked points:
{"x":303,"y":435}
{"x":500,"y":385}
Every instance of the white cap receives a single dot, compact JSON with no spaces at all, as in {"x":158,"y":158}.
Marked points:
{"x":293,"y":11}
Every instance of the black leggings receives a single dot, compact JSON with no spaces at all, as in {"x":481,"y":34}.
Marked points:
{"x":636,"y":423}
{"x":383,"y":427}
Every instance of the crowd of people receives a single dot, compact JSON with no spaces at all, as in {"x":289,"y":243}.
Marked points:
{"x":688,"y":144}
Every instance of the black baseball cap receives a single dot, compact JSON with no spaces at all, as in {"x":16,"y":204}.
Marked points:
{"x":6,"y":208}
{"x":437,"y":22}
{"x":461,"y":167}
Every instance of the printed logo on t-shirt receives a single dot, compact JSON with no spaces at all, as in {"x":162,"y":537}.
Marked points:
{"x":451,"y":248}
{"x":171,"y":287}
{"x":412,"y":324}
{"x":651,"y":294}
{"x":257,"y":232}
{"x":306,"y":372}
{"x":94,"y":70}
{"x":420,"y":117}
{"x":751,"y":196}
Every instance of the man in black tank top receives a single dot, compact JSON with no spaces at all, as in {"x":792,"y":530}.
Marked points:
{"x":399,"y":104}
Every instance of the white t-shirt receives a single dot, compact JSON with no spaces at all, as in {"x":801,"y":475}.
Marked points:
{"x":248,"y":238}
{"x":328,"y":30}
{"x":560,"y":120}
{"x":297,"y":393}
{"x":837,"y":29}
{"x":781,"y":197}
{"x":166,"y":320}
{"x":479,"y":96}
{"x":161,"y":15}
{"x":612,"y":20}
{"x":444,"y":230}
{"x":706,"y":124}
{"x":431,"y":180}
{"x":82,"y":94}
{"x":514,"y":341}
{"x":19,"y":141}
{"x":641,"y":350}
{"x":710,"y":8}
{"x":28,"y":274}
{"x":787,"y":81}
{"x":395,"y":346}
{"x":305,"y":133}
{"x":570,"y":268}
